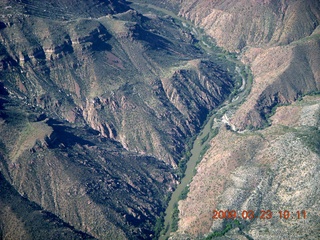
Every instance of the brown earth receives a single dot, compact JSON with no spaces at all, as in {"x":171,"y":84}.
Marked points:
{"x":275,"y":168}
{"x":271,"y":169}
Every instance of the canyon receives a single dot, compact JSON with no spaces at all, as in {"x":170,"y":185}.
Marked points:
{"x":101,"y":101}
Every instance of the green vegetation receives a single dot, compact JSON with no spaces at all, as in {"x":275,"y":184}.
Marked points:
{"x":175,"y":218}
{"x":235,"y":223}
{"x":314,"y":93}
{"x":158,"y":226}
{"x":182,"y":165}
{"x":184,"y":193}
{"x":242,"y":74}
{"x":273,"y":110}
{"x":211,"y":123}
{"x":227,"y":63}
{"x":175,"y":214}
{"x":204,"y":139}
{"x":311,"y":137}
{"x":214,"y":132}
{"x":219,"y":233}
{"x":204,"y":150}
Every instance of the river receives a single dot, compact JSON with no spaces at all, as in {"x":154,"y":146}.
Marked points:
{"x":215,"y":119}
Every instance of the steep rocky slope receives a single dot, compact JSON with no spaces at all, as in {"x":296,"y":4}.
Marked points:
{"x":97,"y":102}
{"x":90,"y":182}
{"x":273,"y":169}
{"x":278,"y":39}
{"x":282,"y":75}
{"x":26,"y":220}
{"x":237,"y":24}
{"x":112,"y":73}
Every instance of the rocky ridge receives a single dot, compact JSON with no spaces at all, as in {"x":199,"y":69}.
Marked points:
{"x":95,"y":111}
{"x":272,"y":169}
{"x":274,"y":37}
{"x":70,"y":57}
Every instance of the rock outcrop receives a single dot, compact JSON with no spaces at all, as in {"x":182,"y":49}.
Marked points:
{"x":273,"y":169}
{"x":278,"y":39}
{"x":96,"y":111}
{"x":109,"y":72}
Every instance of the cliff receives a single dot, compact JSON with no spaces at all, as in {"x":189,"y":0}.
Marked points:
{"x":97,"y":104}
{"x":278,"y":39}
{"x":274,"y":168}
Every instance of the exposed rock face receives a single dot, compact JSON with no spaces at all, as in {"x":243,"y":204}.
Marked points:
{"x":89,"y":181}
{"x":25,"y":220}
{"x":236,"y":24}
{"x":97,"y":102}
{"x":275,"y":37}
{"x":274,"y":169}
{"x":109,"y":73}
{"x":292,"y":73}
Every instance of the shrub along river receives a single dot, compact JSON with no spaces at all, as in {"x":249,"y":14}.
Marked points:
{"x":214,"y":119}
{"x":199,"y":147}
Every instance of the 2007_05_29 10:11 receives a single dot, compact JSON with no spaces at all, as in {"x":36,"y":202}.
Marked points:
{"x":264,"y":214}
